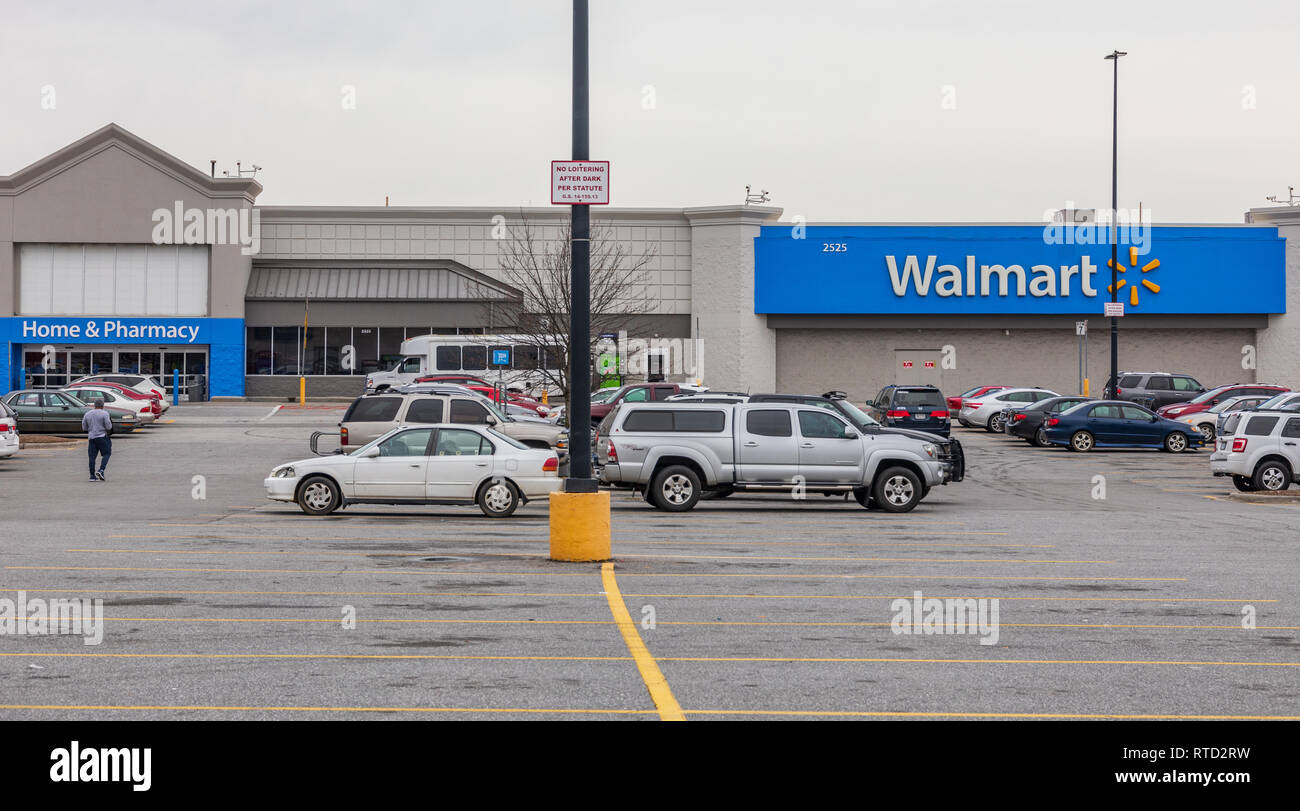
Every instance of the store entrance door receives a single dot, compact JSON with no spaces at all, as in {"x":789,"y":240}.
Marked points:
{"x":56,"y":369}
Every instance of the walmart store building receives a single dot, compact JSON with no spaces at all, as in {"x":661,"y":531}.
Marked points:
{"x":86,"y":286}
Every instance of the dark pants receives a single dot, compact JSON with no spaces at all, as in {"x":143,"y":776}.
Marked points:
{"x":99,"y":445}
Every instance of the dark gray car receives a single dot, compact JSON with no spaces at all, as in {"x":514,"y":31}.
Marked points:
{"x":1156,"y":389}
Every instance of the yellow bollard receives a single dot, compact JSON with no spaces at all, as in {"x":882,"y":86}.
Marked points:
{"x":1085,"y":387}
{"x":580,"y":526}
{"x":302,"y":391}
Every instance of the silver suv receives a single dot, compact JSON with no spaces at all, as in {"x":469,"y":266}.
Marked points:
{"x":373,"y":415}
{"x":1262,"y":454}
{"x":676,"y":452}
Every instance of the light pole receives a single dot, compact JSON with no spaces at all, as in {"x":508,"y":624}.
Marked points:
{"x":1113,"y":383}
{"x":579,"y":405}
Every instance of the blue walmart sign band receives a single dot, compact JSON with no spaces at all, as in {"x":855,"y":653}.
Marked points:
{"x":223,"y":337}
{"x":971,"y":270}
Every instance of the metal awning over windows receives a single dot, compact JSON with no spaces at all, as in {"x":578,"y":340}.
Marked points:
{"x":371,"y":281}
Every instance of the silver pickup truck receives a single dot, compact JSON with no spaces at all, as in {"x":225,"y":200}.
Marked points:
{"x":677,"y":453}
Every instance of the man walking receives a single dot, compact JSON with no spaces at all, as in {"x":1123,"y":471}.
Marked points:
{"x":98,"y":425}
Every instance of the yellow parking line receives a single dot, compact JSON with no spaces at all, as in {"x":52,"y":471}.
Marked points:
{"x":576,"y":711}
{"x":1025,"y":715}
{"x":700,"y":595}
{"x":685,"y":659}
{"x":904,"y":660}
{"x":540,"y":541}
{"x":366,"y":656}
{"x":1097,"y":626}
{"x":218,"y":708}
{"x":468,"y":573}
{"x":426,"y":553}
{"x":660,"y":693}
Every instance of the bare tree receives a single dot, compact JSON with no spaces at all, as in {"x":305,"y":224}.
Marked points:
{"x":540,"y":269}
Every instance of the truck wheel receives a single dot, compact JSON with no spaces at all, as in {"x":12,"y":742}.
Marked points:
{"x":318,"y":495}
{"x":897,"y":490}
{"x":675,"y":488}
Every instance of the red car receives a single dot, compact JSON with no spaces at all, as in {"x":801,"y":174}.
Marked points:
{"x":954,"y":403}
{"x":125,"y":391}
{"x":1211,"y":398}
{"x":489,"y":391}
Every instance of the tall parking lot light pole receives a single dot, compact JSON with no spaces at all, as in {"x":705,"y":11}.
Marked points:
{"x":580,"y":516}
{"x":1113,"y":385}
{"x":579,"y":406}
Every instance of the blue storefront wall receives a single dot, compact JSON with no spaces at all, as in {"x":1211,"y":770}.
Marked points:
{"x":223,"y":337}
{"x":848,"y":270}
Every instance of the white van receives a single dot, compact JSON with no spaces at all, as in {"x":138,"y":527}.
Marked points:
{"x":514,"y":360}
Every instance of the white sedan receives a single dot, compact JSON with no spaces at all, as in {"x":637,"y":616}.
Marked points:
{"x":985,"y":411}
{"x":440,"y":464}
{"x":143,"y":409}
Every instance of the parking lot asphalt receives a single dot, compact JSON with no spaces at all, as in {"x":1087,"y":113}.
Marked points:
{"x":1119,"y":597}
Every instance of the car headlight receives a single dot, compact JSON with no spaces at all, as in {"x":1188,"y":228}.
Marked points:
{"x":929,"y":449}
{"x":285,"y":472}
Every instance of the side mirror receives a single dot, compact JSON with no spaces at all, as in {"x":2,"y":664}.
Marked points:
{"x":371,"y":453}
{"x":849,"y":433}
{"x":1154,"y":418}
{"x":491,"y":420}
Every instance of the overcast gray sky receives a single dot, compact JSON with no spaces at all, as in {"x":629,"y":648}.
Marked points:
{"x":869,"y":111}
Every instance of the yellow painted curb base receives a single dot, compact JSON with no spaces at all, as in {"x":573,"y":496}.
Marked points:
{"x":580,"y":526}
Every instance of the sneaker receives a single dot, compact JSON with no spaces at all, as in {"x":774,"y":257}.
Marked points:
{"x":93,"y":479}
{"x":100,"y":476}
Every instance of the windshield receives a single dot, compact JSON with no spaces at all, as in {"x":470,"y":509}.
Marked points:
{"x":856,"y":414}
{"x":1234,"y":403}
{"x":1273,"y":402}
{"x":494,"y":411}
{"x":1207,"y":397}
{"x":603,"y":395}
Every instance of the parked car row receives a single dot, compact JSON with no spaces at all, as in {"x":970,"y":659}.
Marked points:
{"x":131,"y":401}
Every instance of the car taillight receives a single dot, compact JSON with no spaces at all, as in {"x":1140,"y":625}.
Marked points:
{"x":343,"y":436}
{"x":613,"y":452}
{"x":1239,"y":444}
{"x":4,"y":427}
{"x":1118,"y":392}
{"x":940,"y":414}
{"x":895,"y":413}
{"x":1018,"y":417}
{"x":969,"y":404}
{"x":552,"y":464}
{"x":1053,"y":421}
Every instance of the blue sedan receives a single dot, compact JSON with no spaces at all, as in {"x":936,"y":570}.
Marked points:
{"x":1119,"y":424}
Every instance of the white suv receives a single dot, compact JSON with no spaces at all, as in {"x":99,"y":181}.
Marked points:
{"x":1262,"y":454}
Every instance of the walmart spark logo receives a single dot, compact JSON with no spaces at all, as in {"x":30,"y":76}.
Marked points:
{"x":1133,"y":288}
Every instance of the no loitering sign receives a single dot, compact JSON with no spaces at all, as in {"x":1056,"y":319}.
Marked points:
{"x":580,"y":183}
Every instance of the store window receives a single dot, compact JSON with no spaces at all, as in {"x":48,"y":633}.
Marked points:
{"x":285,"y":348}
{"x":258,"y":352}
